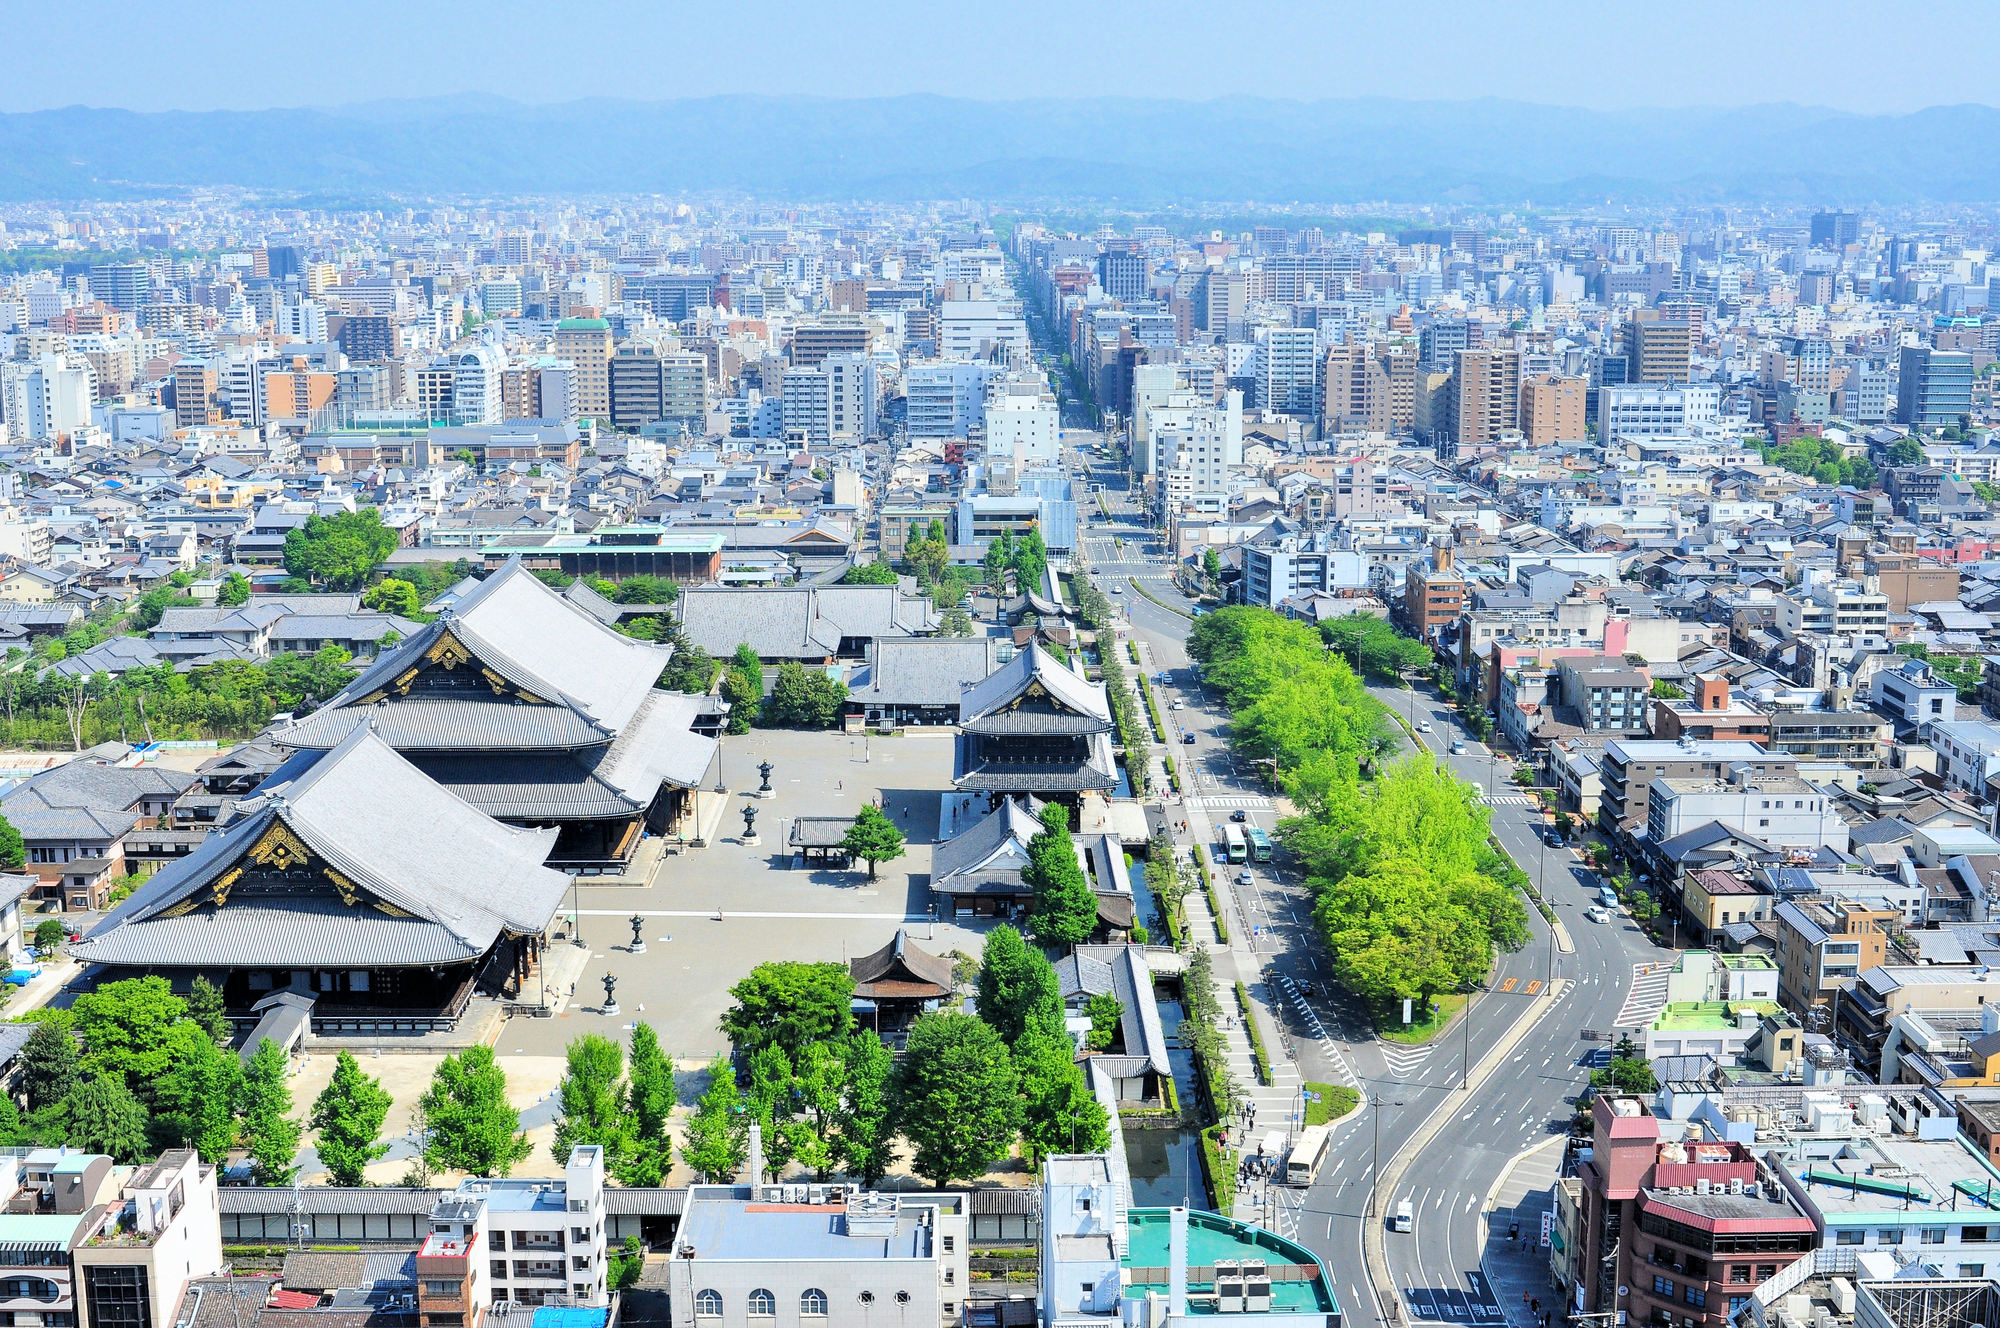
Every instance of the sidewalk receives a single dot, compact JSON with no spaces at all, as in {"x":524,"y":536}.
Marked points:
{"x":1278,"y":1106}
{"x":1518,"y":1270}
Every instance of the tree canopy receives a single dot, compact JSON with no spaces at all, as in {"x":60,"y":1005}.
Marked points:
{"x":348,"y":1115}
{"x":339,"y":552}
{"x":803,"y":698}
{"x":1064,"y":910}
{"x":468,"y":1123}
{"x":957,"y":1096}
{"x":791,"y":1004}
{"x":873,"y":837}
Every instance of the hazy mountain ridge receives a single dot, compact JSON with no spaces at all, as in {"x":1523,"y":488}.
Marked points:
{"x":1139,"y":151}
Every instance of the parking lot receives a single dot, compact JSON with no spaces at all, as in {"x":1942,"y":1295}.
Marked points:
{"x":710,"y":915}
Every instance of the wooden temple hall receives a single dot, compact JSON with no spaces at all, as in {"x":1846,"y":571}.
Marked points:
{"x":351,"y":889}
{"x":536,"y":713}
{"x":1035,"y":726}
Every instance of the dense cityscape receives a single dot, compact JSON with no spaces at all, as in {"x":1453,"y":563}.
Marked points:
{"x":1403,"y":759}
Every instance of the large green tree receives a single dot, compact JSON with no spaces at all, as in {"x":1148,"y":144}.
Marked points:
{"x":269,"y":1134}
{"x":196,"y":1099}
{"x":714,"y":1144}
{"x":391,"y":595}
{"x":803,"y":698}
{"x":791,"y":1004}
{"x":1059,"y":1114}
{"x":469,"y":1124}
{"x":13,"y":850}
{"x":51,"y":1064}
{"x":124,"y":1027}
{"x":1064,"y":910}
{"x":593,"y":1101}
{"x":1018,"y":989}
{"x":957,"y":1097}
{"x":649,"y":1103}
{"x":865,"y":1128}
{"x":873,"y":837}
{"x":877,"y":573}
{"x":348,"y":1114}
{"x":339,"y":552}
{"x":99,"y":1115}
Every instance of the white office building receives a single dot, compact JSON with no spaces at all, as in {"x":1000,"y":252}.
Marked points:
{"x":979,"y":330}
{"x":1024,"y":425}
{"x":47,"y":397}
{"x":300,"y":320}
{"x":1649,"y":410}
{"x":835,"y":399}
{"x":947,"y":400}
{"x":476,"y":397}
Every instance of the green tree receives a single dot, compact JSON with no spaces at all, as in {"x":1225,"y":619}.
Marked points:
{"x":1064,"y":911}
{"x":99,"y":1115}
{"x":124,"y":1026}
{"x":49,"y":933}
{"x":957,"y":1098}
{"x":1059,"y":1114}
{"x":715,"y":1143}
{"x":743,"y":688}
{"x":768,"y":1102}
{"x":13,"y":855}
{"x":646,"y":590}
{"x":196,"y":1099}
{"x":469,"y":1123}
{"x":864,"y":1128}
{"x":593,"y":1101}
{"x":339,"y":552}
{"x":1018,"y":989}
{"x":234,"y":590}
{"x":803,"y":698}
{"x":1906,"y":452}
{"x":874,"y":837}
{"x":348,"y":1114}
{"x":649,"y":1103}
{"x":1373,"y":648}
{"x":205,"y":1006}
{"x":1106,"y":1014}
{"x":877,"y":573}
{"x":690,"y":669}
{"x":1211,"y":566}
{"x":51,"y":1064}
{"x":1628,"y":1071}
{"x":269,"y":1134}
{"x":391,"y":595}
{"x":791,"y":1004}
{"x":955,"y":622}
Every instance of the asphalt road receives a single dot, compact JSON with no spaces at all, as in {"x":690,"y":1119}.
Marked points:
{"x":1436,"y":1267}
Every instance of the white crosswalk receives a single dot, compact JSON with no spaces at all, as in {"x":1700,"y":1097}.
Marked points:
{"x":1645,"y":997}
{"x":1248,"y":802}
{"x":1509,"y":800}
{"x":1341,"y":1071}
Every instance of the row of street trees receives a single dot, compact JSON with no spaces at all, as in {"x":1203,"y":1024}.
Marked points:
{"x":1409,"y":892}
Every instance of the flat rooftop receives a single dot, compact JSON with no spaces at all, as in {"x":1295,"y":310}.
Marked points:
{"x":1893,"y":1175}
{"x":1707,"y":1016}
{"x":1214,"y":1239}
{"x":742,"y":1229}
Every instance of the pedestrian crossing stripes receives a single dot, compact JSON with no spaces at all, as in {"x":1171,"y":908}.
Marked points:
{"x":1509,"y":800}
{"x":1342,"y":1072}
{"x":1247,"y":802}
{"x":1645,"y":997}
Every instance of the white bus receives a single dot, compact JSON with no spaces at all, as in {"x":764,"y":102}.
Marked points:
{"x":1302,"y":1164}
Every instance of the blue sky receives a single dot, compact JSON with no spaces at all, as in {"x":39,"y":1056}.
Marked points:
{"x":246,"y":54}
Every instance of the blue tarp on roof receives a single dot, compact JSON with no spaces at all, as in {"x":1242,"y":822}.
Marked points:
{"x":555,"y":1316}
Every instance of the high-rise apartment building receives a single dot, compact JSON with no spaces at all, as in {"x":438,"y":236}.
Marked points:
{"x":299,"y":392}
{"x":1933,"y":386}
{"x":586,"y":343}
{"x":1552,"y":410}
{"x":1357,"y":395}
{"x":365,"y":338}
{"x":1658,"y":349}
{"x":126,"y":287}
{"x":194,"y":394}
{"x":1288,"y":370}
{"x":45,"y":398}
{"x":1485,"y":396}
{"x":1835,"y":230}
{"x":1440,"y":342}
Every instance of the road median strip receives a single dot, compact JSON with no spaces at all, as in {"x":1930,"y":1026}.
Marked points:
{"x":1157,"y":600}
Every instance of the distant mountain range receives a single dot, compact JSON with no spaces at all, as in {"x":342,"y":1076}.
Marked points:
{"x":1128,"y":151}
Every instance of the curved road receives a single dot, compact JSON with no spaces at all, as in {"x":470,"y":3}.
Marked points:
{"x":1437,"y":1268}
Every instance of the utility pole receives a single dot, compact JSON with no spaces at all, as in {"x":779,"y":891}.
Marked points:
{"x":1465,"y":1016}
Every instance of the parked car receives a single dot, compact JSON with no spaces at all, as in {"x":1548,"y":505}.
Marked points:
{"x":1239,"y":815}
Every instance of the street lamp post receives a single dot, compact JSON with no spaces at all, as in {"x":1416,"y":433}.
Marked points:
{"x":1465,"y":1070}
{"x":1375,"y":1165}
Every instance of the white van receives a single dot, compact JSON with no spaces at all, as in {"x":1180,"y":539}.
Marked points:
{"x":1405,"y":1218}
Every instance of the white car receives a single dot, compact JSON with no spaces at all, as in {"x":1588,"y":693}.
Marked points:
{"x":1117,"y":590}
{"x":1178,"y":704}
{"x":1597,"y":913}
{"x":1423,"y":726}
{"x":1245,"y":878}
